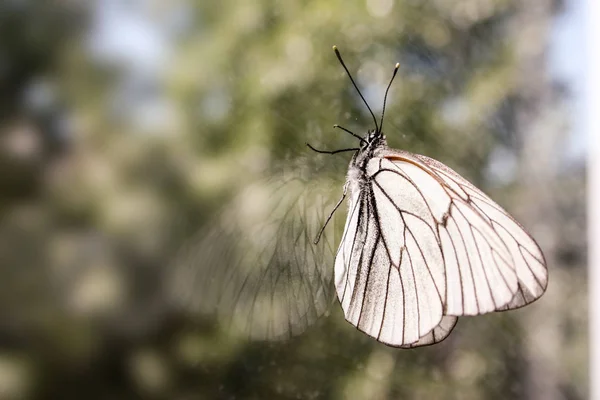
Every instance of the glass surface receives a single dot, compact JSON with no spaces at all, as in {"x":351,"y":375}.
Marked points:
{"x":159,"y":202}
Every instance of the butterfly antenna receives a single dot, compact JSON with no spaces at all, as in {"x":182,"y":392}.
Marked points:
{"x":386,"y":93}
{"x":350,"y":132}
{"x":337,"y":53}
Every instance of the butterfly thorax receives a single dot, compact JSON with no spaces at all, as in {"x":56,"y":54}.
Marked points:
{"x":374,"y":142}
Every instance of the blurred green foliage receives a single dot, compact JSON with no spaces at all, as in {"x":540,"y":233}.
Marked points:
{"x":97,"y":200}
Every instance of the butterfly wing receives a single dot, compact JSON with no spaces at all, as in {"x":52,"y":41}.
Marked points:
{"x":528,"y":259}
{"x":437,"y":334}
{"x":417,"y":252}
{"x":389,"y":267}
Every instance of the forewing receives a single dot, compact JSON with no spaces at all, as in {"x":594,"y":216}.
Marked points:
{"x":473,"y":273}
{"x":255,"y":267}
{"x":527,"y":258}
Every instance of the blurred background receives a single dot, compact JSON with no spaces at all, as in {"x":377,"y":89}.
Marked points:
{"x":127,"y":126}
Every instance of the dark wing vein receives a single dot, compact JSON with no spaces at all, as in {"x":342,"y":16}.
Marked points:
{"x":356,"y":230}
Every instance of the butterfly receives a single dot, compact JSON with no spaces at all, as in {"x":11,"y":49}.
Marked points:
{"x":422,"y":246}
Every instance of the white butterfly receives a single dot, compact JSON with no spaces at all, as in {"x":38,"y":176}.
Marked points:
{"x":423,"y":246}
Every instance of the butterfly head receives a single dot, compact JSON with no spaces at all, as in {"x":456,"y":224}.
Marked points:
{"x":373,"y":138}
{"x":372,"y":135}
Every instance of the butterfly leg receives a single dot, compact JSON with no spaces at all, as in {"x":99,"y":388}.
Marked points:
{"x":331,"y":152}
{"x":331,"y":213}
